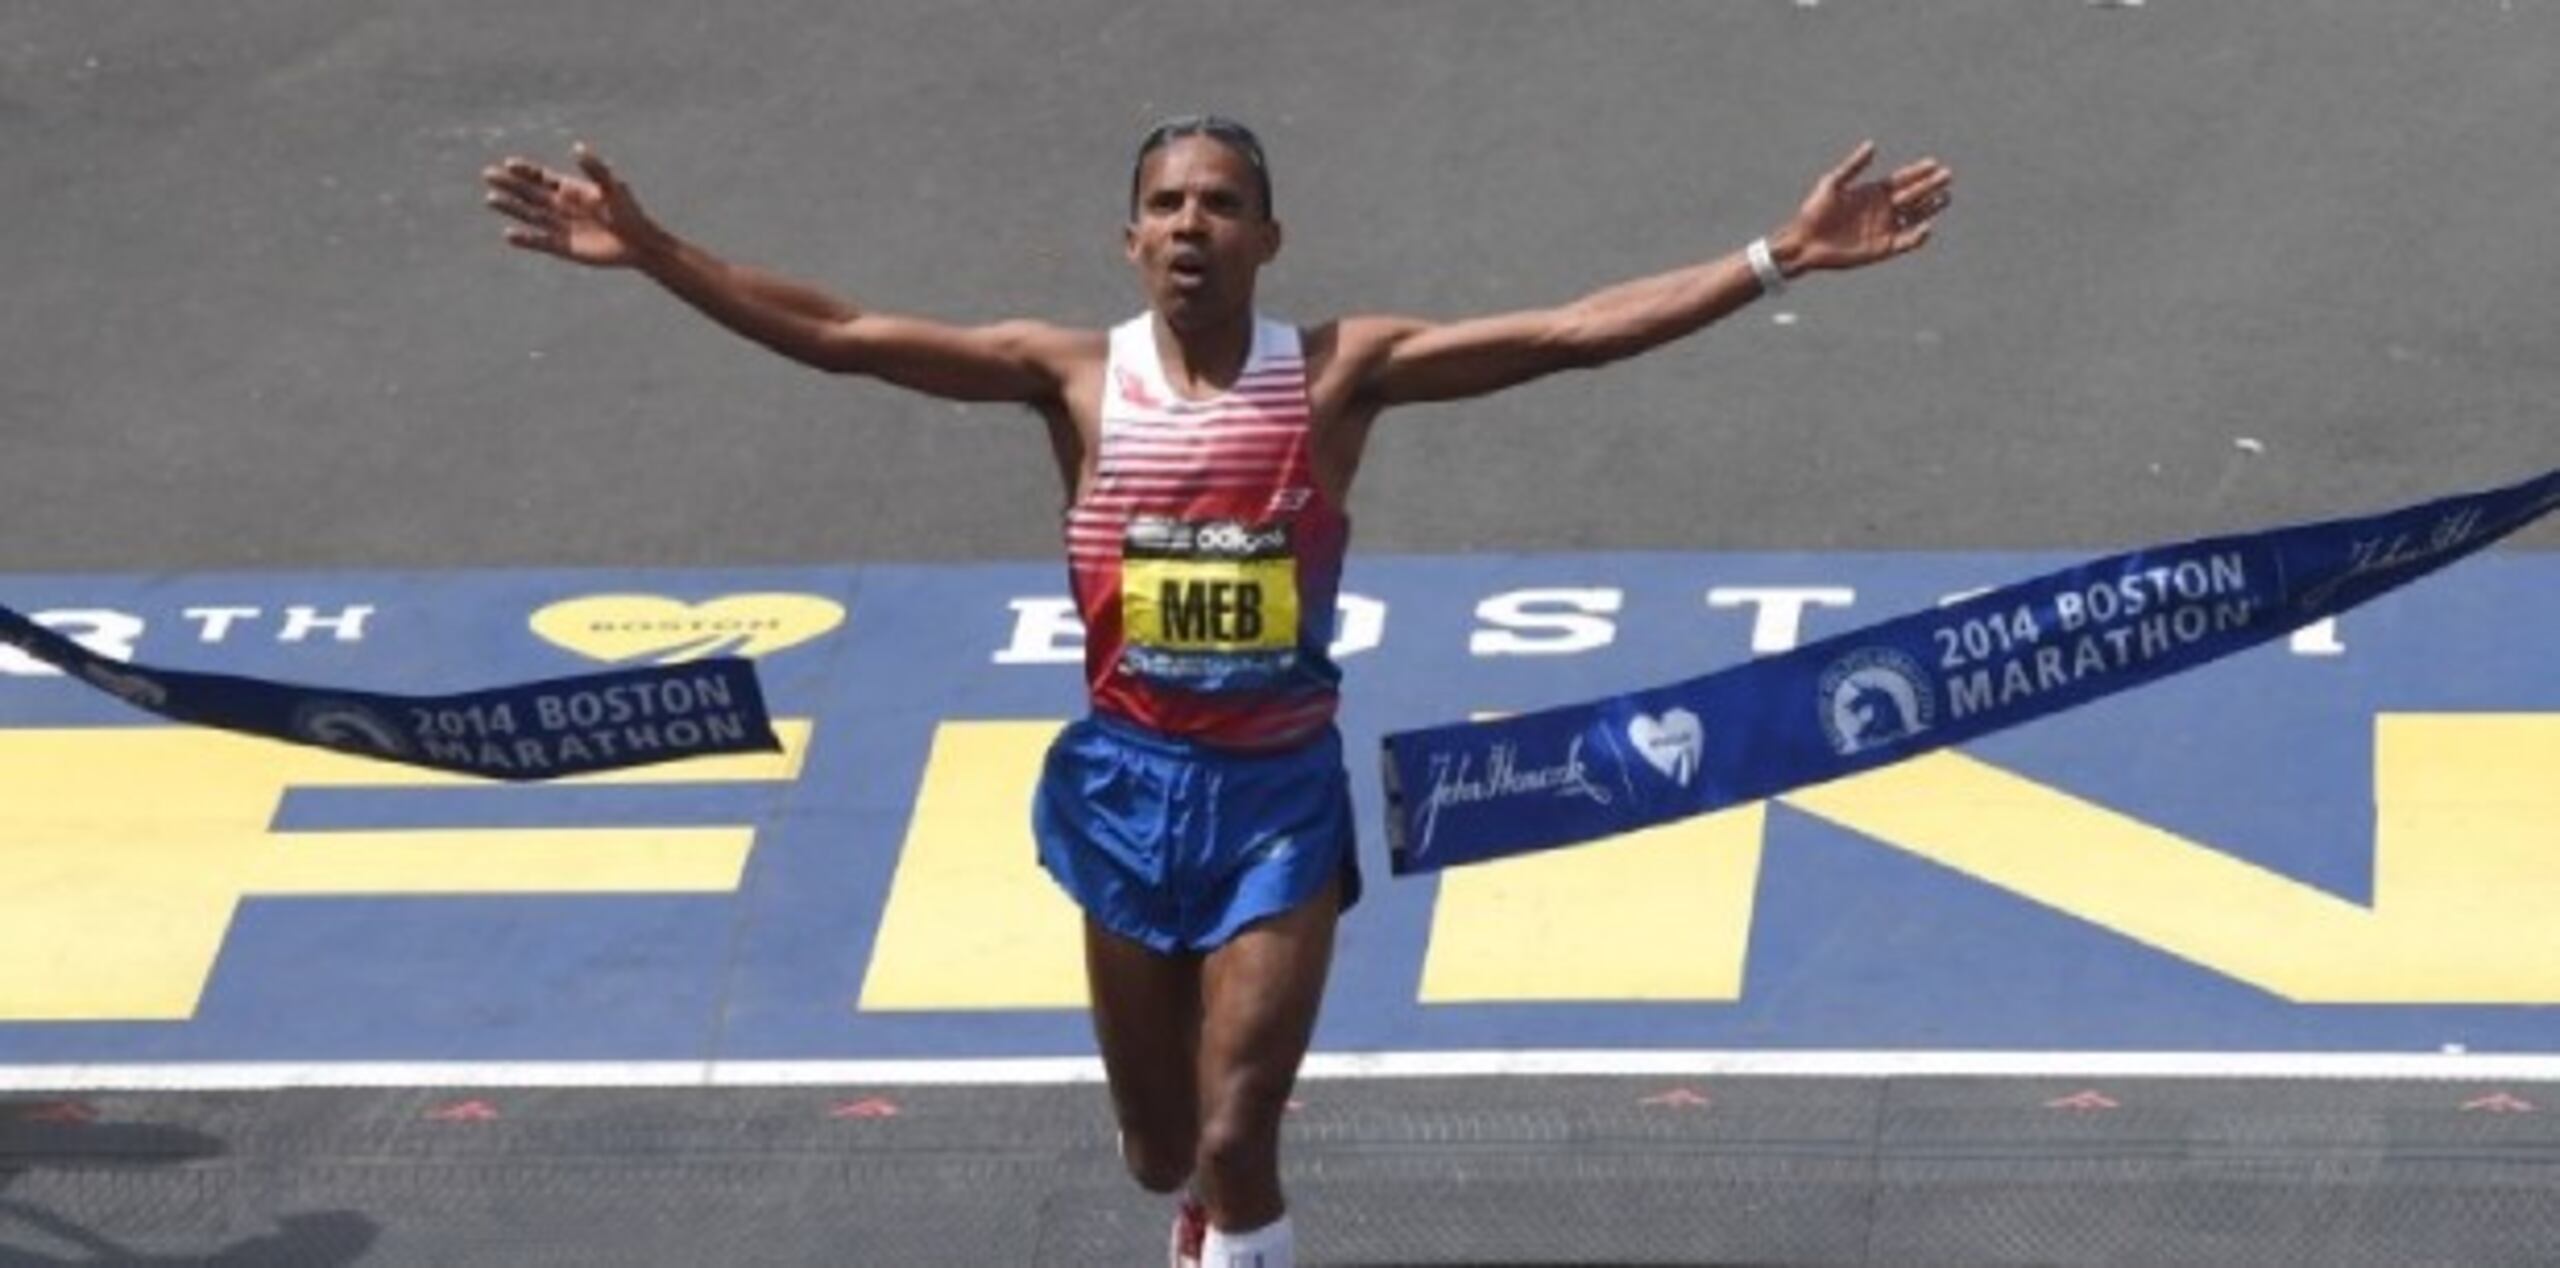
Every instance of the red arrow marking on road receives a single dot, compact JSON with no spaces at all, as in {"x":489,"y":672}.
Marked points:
{"x":2498,"y":1103}
{"x":463,"y":1112}
{"x":867,"y":1107}
{"x":2083,"y":1100}
{"x":1678,"y":1098}
{"x":60,"y":1112}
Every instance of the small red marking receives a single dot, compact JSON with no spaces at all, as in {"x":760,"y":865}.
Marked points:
{"x":2498,"y":1103}
{"x":463,"y":1112}
{"x":1134,"y":390}
{"x":60,"y":1112}
{"x":867,"y":1107}
{"x":1678,"y":1098}
{"x":2083,"y":1100}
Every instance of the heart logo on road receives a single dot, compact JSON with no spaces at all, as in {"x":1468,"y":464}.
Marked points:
{"x":626,"y":627}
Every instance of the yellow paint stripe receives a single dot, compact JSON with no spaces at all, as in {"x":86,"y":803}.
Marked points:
{"x":2469,"y":838}
{"x":124,"y":852}
{"x":2047,"y":845}
{"x":118,"y":779}
{"x":1663,"y":914}
{"x":140,"y":955}
{"x":2480,"y":760}
{"x":2466,"y":856}
{"x":972,"y":921}
{"x":120,"y":859}
{"x":504,"y":861}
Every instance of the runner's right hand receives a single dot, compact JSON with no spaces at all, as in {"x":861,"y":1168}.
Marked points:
{"x":590,"y":219}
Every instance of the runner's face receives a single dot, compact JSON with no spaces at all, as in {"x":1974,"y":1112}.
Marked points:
{"x":1201,"y":233}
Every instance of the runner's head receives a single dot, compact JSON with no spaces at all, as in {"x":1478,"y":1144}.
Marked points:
{"x":1225,"y":131}
{"x":1200,"y":223}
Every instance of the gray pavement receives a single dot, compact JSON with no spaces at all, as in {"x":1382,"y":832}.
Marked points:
{"x":1903,"y":1172}
{"x":260,"y":321}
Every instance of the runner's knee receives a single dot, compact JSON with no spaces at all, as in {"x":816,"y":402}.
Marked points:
{"x":1239,"y":1140}
{"x":1158,"y":1167}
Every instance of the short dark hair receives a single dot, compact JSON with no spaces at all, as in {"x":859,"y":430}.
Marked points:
{"x":1219,"y":128}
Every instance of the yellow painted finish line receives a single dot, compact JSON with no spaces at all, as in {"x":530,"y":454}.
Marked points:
{"x":124,"y":852}
{"x":2467,"y":833}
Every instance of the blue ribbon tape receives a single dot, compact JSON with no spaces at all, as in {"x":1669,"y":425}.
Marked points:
{"x":539,"y":730}
{"x":1472,"y":791}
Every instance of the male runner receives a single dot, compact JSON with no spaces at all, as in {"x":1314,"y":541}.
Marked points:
{"x":1200,"y":814}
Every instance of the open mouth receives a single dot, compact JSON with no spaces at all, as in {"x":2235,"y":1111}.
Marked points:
{"x":1189,"y":268}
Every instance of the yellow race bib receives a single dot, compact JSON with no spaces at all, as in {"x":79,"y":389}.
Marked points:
{"x":1210,"y":586}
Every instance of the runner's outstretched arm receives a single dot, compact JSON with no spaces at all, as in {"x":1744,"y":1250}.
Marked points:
{"x":591,"y":217}
{"x":1843,"y":224}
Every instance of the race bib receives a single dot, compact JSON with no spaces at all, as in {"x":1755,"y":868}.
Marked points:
{"x":1208,"y":598}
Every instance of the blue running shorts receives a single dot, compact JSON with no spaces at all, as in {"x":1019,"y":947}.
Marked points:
{"x":1179,"y":847}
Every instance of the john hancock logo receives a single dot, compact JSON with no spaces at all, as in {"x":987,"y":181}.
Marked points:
{"x":1456,"y":780}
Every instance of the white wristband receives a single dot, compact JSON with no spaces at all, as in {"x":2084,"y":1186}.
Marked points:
{"x":1765,"y":267}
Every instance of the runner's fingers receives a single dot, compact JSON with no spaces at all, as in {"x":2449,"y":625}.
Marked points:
{"x":534,"y":240}
{"x":1924,"y":194}
{"x":593,"y":165}
{"x":1921,"y":210}
{"x":539,"y":217}
{"x":526,"y":174}
{"x":1910,"y":174}
{"x":518,"y":186}
{"x":527,"y":169}
{"x":1839,"y":177}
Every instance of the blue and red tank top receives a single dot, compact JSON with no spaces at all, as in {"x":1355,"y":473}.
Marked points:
{"x":1204,"y":558}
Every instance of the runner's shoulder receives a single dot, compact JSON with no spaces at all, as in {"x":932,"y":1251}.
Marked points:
{"x":1059,"y":346}
{"x":1349,"y":348}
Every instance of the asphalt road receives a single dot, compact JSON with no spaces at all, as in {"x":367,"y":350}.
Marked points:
{"x":258,"y":319}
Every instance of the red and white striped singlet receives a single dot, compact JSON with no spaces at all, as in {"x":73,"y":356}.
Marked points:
{"x":1204,"y":559}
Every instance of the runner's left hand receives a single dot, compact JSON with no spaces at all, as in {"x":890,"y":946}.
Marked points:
{"x":1846,"y":223}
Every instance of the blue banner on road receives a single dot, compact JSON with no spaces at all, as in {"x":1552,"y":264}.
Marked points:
{"x":1474,"y":791}
{"x":538,"y":730}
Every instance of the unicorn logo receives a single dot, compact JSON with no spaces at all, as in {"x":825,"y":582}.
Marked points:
{"x":349,"y":728}
{"x":1878,"y":714}
{"x":1874,"y":697}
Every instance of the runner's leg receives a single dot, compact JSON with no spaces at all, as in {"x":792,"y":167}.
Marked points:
{"x":1146,"y":1020}
{"x":1261,"y":992}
